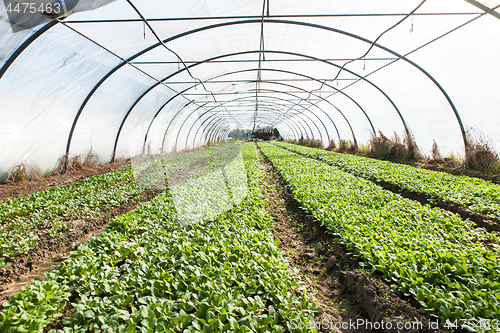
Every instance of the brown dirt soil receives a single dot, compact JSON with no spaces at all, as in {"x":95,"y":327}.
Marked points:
{"x":12,"y":190}
{"x":341,"y":289}
{"x":49,"y":251}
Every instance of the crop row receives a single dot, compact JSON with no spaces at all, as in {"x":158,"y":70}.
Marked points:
{"x":450,"y":267}
{"x":53,"y":209}
{"x":477,"y":195}
{"x":150,"y":273}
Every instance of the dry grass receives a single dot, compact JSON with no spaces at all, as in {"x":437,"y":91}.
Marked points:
{"x":436,"y":154}
{"x":394,"y":149}
{"x":91,"y":158}
{"x":63,"y":165}
{"x":311,"y":143}
{"x":67,"y":164}
{"x":480,"y":154}
{"x":76,"y":162}
{"x":331,"y":145}
{"x":24,"y":171}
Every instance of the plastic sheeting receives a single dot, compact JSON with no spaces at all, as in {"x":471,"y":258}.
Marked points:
{"x":99,"y":79}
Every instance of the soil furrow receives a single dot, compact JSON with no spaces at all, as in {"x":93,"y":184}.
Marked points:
{"x":346,"y":292}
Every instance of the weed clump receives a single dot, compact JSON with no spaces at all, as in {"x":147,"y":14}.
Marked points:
{"x":24,"y":171}
{"x":394,"y":149}
{"x":480,"y":154}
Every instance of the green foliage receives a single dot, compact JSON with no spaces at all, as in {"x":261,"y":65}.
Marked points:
{"x":477,"y":195}
{"x":428,"y":253}
{"x":148,"y":273}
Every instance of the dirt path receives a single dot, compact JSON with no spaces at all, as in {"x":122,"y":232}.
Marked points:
{"x":347,"y":293}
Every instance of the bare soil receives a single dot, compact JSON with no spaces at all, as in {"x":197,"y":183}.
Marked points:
{"x":345,"y":292}
{"x":12,"y":190}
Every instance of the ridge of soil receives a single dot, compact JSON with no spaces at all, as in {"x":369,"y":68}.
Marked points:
{"x":12,"y":190}
{"x":482,"y":221}
{"x":49,"y":251}
{"x":343,"y":290}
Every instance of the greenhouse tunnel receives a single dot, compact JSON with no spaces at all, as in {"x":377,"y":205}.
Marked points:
{"x":125,"y":77}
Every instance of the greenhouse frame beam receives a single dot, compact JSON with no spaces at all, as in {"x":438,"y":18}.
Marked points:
{"x":245,"y":99}
{"x":156,"y":114}
{"x":320,"y":97}
{"x":292,"y":86}
{"x":251,"y":60}
{"x":180,"y":112}
{"x":263,"y":81}
{"x":188,"y":88}
{"x":242,"y":17}
{"x":309,"y":78}
{"x":295,"y":115}
{"x":276,"y":21}
{"x":209,"y":135}
{"x":187,"y":136}
{"x":293,"y":129}
{"x":269,"y":103}
{"x":296,"y":129}
{"x":201,"y":117}
{"x":484,"y":8}
{"x":291,"y":94}
{"x":25,"y":45}
{"x":289,"y":118}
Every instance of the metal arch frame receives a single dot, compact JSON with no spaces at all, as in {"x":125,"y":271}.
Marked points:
{"x":180,"y":94}
{"x":144,"y":145}
{"x":294,"y":115}
{"x":297,"y":129}
{"x":301,"y":121}
{"x":278,"y":22}
{"x":269,"y":20}
{"x":218,"y":130}
{"x":292,"y":129}
{"x":208,"y":60}
{"x":191,"y":128}
{"x":299,"y":113}
{"x":312,"y":104}
{"x":290,"y":118}
{"x":182,"y":125}
{"x":207,"y":126}
{"x":157,"y":113}
{"x":323,"y":99}
{"x":302,"y":75}
{"x":288,"y":85}
{"x":172,"y":120}
{"x":210,"y":133}
{"x":25,"y":45}
{"x":188,"y":88}
{"x":189,"y":115}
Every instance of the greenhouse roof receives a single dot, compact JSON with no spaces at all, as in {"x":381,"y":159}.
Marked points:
{"x":122,"y":77}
